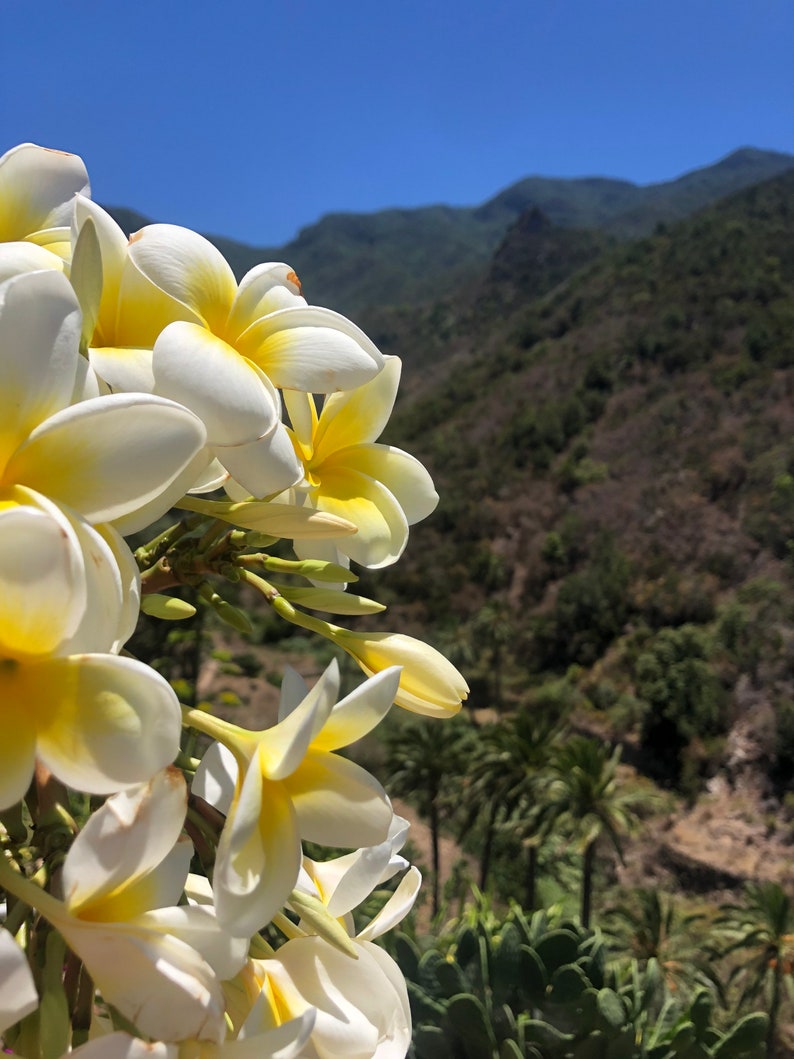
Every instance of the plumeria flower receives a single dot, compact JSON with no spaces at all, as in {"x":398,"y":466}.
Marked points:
{"x":343,"y":883}
{"x":429,"y":683}
{"x":157,"y":963}
{"x":37,"y":189}
{"x":380,"y":489}
{"x":174,"y":321}
{"x":105,"y":457}
{"x":99,"y":722}
{"x":285,"y":784}
{"x":362,"y":1009}
{"x":18,"y":995}
{"x":285,"y":1041}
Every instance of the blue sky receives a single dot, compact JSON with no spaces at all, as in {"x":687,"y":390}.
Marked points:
{"x":252,"y":119}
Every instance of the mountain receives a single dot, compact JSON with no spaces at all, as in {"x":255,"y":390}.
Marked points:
{"x":356,"y":263}
{"x":615,"y":459}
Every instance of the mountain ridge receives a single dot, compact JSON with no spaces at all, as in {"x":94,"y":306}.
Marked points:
{"x":354,"y":262}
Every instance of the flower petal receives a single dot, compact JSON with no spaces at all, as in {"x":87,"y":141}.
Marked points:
{"x":396,"y":908}
{"x":42,"y":587}
{"x":359,"y":712}
{"x":311,"y":349}
{"x":37,"y":186}
{"x":109,"y":456}
{"x":359,"y":415}
{"x":382,"y":526}
{"x":188,"y":268}
{"x":263,"y":467}
{"x":155,"y":980}
{"x":122,"y":841}
{"x":199,"y":927}
{"x":258,"y":856}
{"x":17,"y":747}
{"x":402,"y":474}
{"x":229,"y":393}
{"x":16,"y":258}
{"x":264,"y":289}
{"x":39,"y":336}
{"x":337,"y":802}
{"x":18,"y":995}
{"x":105,"y":722}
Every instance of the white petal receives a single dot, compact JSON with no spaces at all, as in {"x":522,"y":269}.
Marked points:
{"x":216,"y":777}
{"x":125,"y":369}
{"x":37,"y":186}
{"x":26,"y":257}
{"x":109,"y":456}
{"x":39,"y":336}
{"x":359,"y":415}
{"x":360,"y":711}
{"x":106,"y":722}
{"x":258,"y":856}
{"x":156,"y":981}
{"x":17,"y":990}
{"x":337,"y":802}
{"x":42,"y":586}
{"x":198,"y":926}
{"x":124,"y":839}
{"x":191,"y":365}
{"x":265,"y":289}
{"x":188,"y":268}
{"x":396,"y":908}
{"x":311,"y":349}
{"x":263,"y":467}
{"x":122,"y":1046}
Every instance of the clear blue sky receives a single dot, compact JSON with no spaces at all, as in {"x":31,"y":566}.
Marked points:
{"x":252,"y":119}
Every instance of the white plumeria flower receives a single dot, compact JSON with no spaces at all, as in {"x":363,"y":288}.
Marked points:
{"x":174,"y":321}
{"x":37,"y":189}
{"x":18,"y":995}
{"x":362,"y":1009}
{"x":286,"y":1041}
{"x":160,"y":965}
{"x":285,"y":783}
{"x":106,"y":457}
{"x":379,"y":488}
{"x":99,"y":722}
{"x":343,"y":883}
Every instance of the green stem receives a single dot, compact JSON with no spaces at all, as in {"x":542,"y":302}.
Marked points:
{"x":285,"y":609}
{"x":13,"y":881}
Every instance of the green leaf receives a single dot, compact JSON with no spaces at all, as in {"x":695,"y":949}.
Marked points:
{"x":567,"y":984}
{"x":468,"y":1018}
{"x":558,"y":947}
{"x":611,"y":1008}
{"x":747,"y":1034}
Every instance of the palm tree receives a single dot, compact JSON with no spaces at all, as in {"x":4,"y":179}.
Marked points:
{"x":650,"y":927}
{"x":424,"y":761}
{"x":762,"y":930}
{"x":507,"y":777}
{"x":585,"y":799}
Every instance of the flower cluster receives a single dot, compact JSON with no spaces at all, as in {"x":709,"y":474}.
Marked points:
{"x":138,"y":377}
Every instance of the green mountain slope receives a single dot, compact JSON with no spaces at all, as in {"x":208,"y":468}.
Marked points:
{"x":357,"y":262}
{"x":616,"y":465}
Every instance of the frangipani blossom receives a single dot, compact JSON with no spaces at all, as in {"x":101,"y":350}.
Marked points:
{"x":286,"y":1041}
{"x":158,"y":964}
{"x":37,"y":190}
{"x":104,"y":457}
{"x":362,"y":1009}
{"x":429,"y":683}
{"x":343,"y":883}
{"x":174,"y":321}
{"x":285,"y":784}
{"x":97,"y":721}
{"x":380,"y":489}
